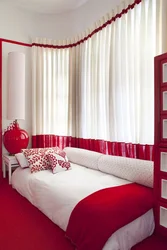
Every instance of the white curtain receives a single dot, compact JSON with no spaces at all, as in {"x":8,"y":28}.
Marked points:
{"x":104,"y":87}
{"x":50,"y":90}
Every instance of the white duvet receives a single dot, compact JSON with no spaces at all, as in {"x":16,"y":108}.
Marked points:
{"x":57,"y":194}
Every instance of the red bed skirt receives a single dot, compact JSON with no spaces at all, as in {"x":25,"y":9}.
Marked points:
{"x":139,"y":151}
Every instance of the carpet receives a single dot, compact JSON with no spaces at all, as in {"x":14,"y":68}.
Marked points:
{"x":152,"y":243}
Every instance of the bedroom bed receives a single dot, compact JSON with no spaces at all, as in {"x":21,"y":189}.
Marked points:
{"x":56,"y":195}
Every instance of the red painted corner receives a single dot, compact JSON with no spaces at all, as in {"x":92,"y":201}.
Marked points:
{"x":1,"y":108}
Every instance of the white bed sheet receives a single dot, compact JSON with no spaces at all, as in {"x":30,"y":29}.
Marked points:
{"x":57,"y":194}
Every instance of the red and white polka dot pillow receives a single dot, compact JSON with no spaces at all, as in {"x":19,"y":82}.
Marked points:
{"x":37,"y":158}
{"x":58,"y":161}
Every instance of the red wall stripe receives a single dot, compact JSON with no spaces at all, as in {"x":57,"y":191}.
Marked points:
{"x":15,"y":42}
{"x":0,"y":104}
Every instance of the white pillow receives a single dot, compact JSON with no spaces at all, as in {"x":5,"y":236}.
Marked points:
{"x":22,"y":161}
{"x":58,"y":162}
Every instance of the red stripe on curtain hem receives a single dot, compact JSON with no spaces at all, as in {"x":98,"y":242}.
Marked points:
{"x":113,"y":19}
{"x":139,"y":151}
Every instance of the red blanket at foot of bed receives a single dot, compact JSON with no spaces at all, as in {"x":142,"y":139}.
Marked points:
{"x":98,"y":216}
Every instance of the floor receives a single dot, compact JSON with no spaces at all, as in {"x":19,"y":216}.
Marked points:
{"x":152,"y":243}
{"x":24,"y":227}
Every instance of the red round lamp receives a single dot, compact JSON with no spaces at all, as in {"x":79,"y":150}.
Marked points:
{"x":15,"y":138}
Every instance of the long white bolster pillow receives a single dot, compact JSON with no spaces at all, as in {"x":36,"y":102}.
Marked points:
{"x":135,"y":170}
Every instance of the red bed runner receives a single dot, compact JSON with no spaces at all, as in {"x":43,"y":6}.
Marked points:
{"x":98,"y":216}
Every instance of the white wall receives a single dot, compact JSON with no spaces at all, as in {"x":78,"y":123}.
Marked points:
{"x":15,"y":24}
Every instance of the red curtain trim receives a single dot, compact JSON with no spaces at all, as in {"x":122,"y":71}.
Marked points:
{"x":113,"y":19}
{"x":139,"y":151}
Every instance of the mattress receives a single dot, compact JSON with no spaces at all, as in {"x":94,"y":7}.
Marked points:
{"x":57,"y":194}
